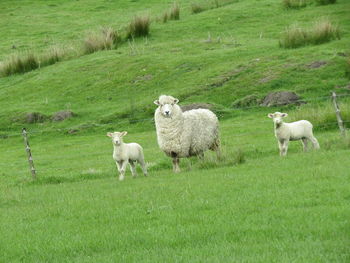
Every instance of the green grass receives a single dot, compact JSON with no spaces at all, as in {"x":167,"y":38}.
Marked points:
{"x":249,"y":206}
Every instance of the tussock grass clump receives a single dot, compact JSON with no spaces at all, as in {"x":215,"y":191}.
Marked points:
{"x":52,"y":56}
{"x":165,"y":17}
{"x":294,"y":4}
{"x":293,"y":37}
{"x":106,"y":39}
{"x":174,"y":12}
{"x":197,"y":8}
{"x":19,"y":63}
{"x":323,"y":31}
{"x":325,"y":2}
{"x":139,"y":27}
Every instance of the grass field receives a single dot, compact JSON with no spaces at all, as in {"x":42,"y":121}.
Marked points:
{"x":250,"y":206}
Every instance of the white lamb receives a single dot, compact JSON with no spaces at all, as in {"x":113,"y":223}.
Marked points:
{"x":285,"y":132}
{"x":184,"y":134}
{"x":125,"y":153}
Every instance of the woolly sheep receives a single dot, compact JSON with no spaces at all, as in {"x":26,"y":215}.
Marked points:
{"x":285,"y":132}
{"x":125,"y":153}
{"x":184,"y":134}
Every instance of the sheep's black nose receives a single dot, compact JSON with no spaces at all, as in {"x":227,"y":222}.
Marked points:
{"x":167,"y":112}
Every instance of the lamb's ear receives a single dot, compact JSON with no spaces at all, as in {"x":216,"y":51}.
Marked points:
{"x":284,"y":115}
{"x":124,"y":133}
{"x":176,"y":101}
{"x":109,"y":134}
{"x":156,"y":102}
{"x":270,"y":115}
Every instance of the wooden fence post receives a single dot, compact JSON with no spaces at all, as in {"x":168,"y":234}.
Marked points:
{"x":337,"y":113}
{"x":29,"y":153}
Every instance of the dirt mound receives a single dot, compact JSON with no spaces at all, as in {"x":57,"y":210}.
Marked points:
{"x":281,"y":98}
{"x":62,"y":115}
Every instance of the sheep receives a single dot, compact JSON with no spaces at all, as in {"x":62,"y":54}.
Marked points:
{"x":125,"y":153}
{"x":285,"y":132}
{"x":185,"y":134}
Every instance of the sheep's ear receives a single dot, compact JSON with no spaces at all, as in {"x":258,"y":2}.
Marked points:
{"x":176,"y":101}
{"x":156,"y":102}
{"x":270,"y":115}
{"x":284,"y":115}
{"x":124,"y":133}
{"x":109,"y":134}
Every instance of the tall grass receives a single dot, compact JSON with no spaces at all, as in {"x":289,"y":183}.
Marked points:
{"x":53,"y":55}
{"x":197,"y":8}
{"x":106,"y":39}
{"x":294,"y":3}
{"x":347,"y":68}
{"x":325,"y":2}
{"x":174,"y":12}
{"x":19,"y":63}
{"x":322,"y":31}
{"x":139,"y":26}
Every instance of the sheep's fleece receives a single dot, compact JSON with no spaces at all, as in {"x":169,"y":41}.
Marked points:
{"x":184,"y":134}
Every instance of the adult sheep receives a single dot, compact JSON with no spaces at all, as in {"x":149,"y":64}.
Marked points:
{"x":185,"y":134}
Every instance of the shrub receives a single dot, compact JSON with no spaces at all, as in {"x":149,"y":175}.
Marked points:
{"x":139,"y":26}
{"x":196,"y":8}
{"x":294,"y":3}
{"x":19,"y":63}
{"x":107,"y":38}
{"x":325,"y":2}
{"x":293,"y":37}
{"x":323,"y":31}
{"x":175,"y":12}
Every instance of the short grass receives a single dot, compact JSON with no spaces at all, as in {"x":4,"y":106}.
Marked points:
{"x":251,"y":206}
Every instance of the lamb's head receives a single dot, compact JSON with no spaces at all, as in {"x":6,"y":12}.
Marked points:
{"x":167,"y":105}
{"x":277,"y":117}
{"x":117,"y":137}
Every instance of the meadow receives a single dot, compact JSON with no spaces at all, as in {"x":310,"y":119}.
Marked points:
{"x":249,"y":206}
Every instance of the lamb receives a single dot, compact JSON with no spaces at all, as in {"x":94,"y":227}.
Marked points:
{"x":125,"y":153}
{"x":285,"y":132}
{"x":185,"y":134}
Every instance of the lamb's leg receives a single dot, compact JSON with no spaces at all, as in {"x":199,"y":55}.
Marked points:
{"x":315,"y":143}
{"x":133,"y":168}
{"x":143,"y":166}
{"x":176,"y":167}
{"x":122,"y":170}
{"x":118,"y":166}
{"x":304,"y":142}
{"x":280,"y":147}
{"x":285,"y":147}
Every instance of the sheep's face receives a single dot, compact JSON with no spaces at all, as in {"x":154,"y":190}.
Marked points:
{"x":166,"y":105}
{"x":117,"y":137}
{"x":277,"y":117}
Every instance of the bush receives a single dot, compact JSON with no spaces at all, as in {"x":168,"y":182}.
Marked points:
{"x":294,"y":3}
{"x":106,"y":39}
{"x":175,"y":12}
{"x":197,"y":8}
{"x":139,"y":26}
{"x":322,"y":31}
{"x":325,"y":2}
{"x":19,"y":63}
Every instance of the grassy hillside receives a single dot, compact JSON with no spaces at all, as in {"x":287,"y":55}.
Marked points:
{"x":251,"y":206}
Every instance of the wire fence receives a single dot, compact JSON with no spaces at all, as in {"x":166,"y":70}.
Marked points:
{"x":54,"y":160}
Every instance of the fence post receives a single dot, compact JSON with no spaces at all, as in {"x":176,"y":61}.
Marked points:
{"x":337,"y":113}
{"x":29,"y":153}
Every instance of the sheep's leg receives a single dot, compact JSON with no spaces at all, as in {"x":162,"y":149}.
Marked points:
{"x":118,"y":166}
{"x":285,"y":147}
{"x":315,"y":143}
{"x":201,"y":155}
{"x":122,"y":170}
{"x":216,"y":148}
{"x":280,"y":147}
{"x":133,"y":168}
{"x":143,"y":166}
{"x":304,"y":141}
{"x":176,"y":167}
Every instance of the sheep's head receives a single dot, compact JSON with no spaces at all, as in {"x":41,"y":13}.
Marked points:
{"x":166,"y":105}
{"x":117,"y":137}
{"x":277,"y":117}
